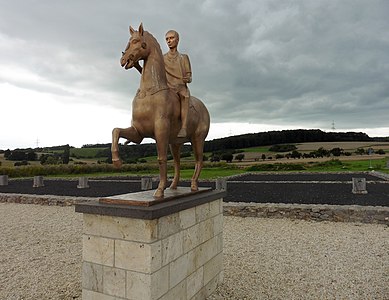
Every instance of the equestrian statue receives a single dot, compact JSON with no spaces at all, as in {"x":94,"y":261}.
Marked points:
{"x":158,"y":110}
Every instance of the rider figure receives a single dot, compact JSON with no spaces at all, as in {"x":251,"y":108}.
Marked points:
{"x":179,"y":74}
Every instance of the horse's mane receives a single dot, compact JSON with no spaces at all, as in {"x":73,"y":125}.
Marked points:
{"x":154,"y":41}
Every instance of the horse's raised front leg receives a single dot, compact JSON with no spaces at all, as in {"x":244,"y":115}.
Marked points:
{"x":130,"y":133}
{"x":198,"y":148}
{"x":176,"y":150}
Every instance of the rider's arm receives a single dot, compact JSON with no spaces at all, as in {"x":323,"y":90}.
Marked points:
{"x":187,"y":69}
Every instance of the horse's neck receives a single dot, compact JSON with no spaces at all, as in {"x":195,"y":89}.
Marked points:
{"x":153,"y":74}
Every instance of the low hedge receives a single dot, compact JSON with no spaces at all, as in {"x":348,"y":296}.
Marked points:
{"x":51,"y":170}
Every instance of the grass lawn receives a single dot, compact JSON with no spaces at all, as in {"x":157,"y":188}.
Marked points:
{"x":210,"y":173}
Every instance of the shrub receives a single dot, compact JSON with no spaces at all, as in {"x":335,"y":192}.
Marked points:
{"x":278,"y":156}
{"x":360,"y":151}
{"x":239,"y":157}
{"x":21,"y":163}
{"x":336,"y":151}
{"x":228,"y":157}
{"x":295,"y":154}
{"x":215,"y":158}
{"x":17,"y":155}
{"x":185,"y":154}
{"x":321,"y":152}
{"x":7,"y":153}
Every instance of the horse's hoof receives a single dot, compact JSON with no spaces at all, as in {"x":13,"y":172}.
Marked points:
{"x":173,"y":186}
{"x":194,"y":188}
{"x":117,"y":163}
{"x":158,"y":193}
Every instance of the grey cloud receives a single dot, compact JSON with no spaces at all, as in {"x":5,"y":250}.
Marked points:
{"x":289,"y":62}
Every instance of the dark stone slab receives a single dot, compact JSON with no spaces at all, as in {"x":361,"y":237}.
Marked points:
{"x":147,"y":199}
{"x":306,"y":177}
{"x":312,"y":188}
{"x":150,"y":212}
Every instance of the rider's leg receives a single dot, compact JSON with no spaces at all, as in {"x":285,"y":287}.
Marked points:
{"x":184,"y":115}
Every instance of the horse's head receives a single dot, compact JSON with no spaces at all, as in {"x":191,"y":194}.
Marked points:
{"x":136,"y":48}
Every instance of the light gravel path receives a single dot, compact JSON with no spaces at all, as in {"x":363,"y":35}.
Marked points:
{"x":40,"y":257}
{"x":40,"y":252}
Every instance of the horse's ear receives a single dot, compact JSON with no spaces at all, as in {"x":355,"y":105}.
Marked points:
{"x":132,"y":30}
{"x":141,"y":29}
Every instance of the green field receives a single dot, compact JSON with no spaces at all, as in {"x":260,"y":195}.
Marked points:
{"x":256,"y":149}
{"x":84,"y":152}
{"x":210,"y":171}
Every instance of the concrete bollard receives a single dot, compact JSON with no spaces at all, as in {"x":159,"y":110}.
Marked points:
{"x":359,"y":186}
{"x":146,"y":183}
{"x":221,"y":184}
{"x":3,"y":180}
{"x":82,"y":183}
{"x":38,"y":181}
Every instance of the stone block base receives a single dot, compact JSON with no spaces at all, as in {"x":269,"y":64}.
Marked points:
{"x":176,"y":255}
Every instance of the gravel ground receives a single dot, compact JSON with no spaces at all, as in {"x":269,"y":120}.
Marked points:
{"x":41,"y":253}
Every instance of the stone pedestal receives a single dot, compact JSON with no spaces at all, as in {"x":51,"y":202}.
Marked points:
{"x":162,"y":250}
{"x":3,"y":180}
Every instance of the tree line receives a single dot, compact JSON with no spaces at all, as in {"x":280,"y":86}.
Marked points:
{"x":247,"y":141}
{"x":283,"y":137}
{"x":23,"y":156}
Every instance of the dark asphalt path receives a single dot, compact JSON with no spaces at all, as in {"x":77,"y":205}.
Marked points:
{"x":329,"y":188}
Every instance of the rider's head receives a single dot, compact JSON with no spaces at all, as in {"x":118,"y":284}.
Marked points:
{"x":172,"y":38}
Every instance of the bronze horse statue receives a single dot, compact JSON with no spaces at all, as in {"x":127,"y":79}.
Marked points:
{"x":156,"y":112}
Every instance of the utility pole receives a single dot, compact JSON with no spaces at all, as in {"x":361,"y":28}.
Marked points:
{"x":333,"y":125}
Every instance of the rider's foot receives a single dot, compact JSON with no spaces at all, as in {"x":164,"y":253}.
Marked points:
{"x":182,"y":133}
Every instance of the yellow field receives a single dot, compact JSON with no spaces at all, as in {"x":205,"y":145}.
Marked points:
{"x":346,"y":146}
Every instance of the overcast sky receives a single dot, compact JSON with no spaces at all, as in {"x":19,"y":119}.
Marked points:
{"x":258,"y":65}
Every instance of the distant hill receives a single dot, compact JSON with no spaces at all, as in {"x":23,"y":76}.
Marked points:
{"x":259,"y":139}
{"x":239,"y":141}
